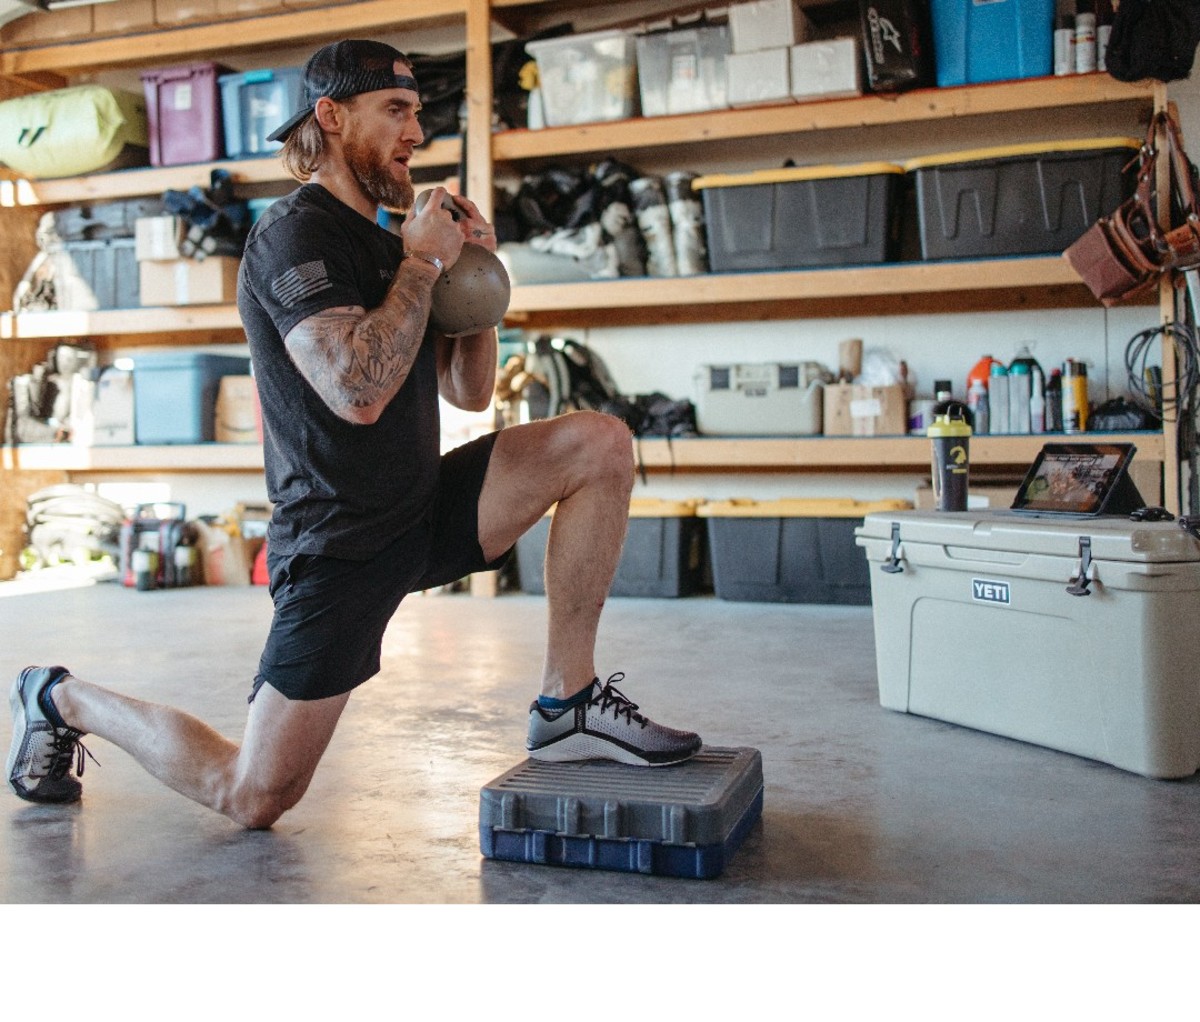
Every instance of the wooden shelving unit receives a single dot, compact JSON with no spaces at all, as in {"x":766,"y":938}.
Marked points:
{"x":908,"y":287}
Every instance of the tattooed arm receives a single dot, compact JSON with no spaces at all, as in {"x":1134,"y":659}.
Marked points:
{"x":357,"y":360}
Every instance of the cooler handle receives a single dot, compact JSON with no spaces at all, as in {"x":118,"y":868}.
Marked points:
{"x":892,"y":564}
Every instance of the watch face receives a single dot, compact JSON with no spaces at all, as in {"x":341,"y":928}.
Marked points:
{"x":1073,"y":478}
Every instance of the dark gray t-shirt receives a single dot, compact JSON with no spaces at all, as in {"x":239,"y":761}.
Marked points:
{"x":339,"y":489}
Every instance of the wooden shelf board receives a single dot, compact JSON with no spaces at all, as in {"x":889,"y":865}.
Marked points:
{"x":441,"y":152}
{"x":103,"y":322}
{"x":150,"y":458}
{"x":919,"y":105}
{"x":274,"y":29}
{"x":773,"y":286}
{"x":819,"y":453}
{"x":823,"y":453}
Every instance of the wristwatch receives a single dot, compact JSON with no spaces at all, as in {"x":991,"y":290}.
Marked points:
{"x":430,"y":258}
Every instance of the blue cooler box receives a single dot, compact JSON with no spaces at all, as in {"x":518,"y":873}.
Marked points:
{"x":175,"y":395}
{"x":993,"y":41}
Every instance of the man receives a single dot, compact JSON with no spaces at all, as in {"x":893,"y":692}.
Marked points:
{"x":366,"y":510}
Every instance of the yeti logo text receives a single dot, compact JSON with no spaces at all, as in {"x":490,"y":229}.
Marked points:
{"x":882,"y":31}
{"x":986,"y":591}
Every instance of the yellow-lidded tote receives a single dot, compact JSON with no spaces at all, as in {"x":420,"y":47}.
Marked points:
{"x":793,"y":550}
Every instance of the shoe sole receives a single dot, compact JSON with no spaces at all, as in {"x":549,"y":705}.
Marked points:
{"x":567,"y":751}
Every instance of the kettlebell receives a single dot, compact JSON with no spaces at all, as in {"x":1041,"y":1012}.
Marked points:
{"x":471,"y":295}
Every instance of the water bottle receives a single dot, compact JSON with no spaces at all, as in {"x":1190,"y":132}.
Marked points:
{"x":951,"y":438}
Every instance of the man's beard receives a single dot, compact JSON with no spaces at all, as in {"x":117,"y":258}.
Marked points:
{"x":374,"y":179}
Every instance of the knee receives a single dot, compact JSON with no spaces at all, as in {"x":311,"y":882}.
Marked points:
{"x":605,"y":446}
{"x":258,"y":808}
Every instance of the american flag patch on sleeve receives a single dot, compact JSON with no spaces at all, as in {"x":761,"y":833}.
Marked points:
{"x":301,"y":282}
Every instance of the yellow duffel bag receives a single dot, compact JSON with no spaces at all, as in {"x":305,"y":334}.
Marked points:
{"x":72,"y":131}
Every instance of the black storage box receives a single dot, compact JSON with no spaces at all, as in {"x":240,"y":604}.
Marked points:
{"x":1018,"y":200}
{"x":663,"y":554}
{"x":791,"y":550}
{"x":102,"y":220}
{"x":798,"y":217}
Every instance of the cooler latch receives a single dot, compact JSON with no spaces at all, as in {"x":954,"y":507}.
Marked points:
{"x":1079,"y":584}
{"x":892,"y":564}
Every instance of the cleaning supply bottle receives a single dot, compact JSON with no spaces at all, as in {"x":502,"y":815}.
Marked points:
{"x":1054,"y":399}
{"x":977,"y":401}
{"x":1075,"y":397}
{"x":1037,"y":406}
{"x":981,"y":370}
{"x":1020,"y":390}
{"x":998,"y":398}
{"x":1023,"y":414}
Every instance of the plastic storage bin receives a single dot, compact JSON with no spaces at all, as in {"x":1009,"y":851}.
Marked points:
{"x":1018,"y":200}
{"x":685,"y":821}
{"x":802,"y":216}
{"x":992,"y":41}
{"x":977,"y":628}
{"x":255,"y":103}
{"x":175,"y":395}
{"x":663,"y":554}
{"x":683,"y":72}
{"x":791,"y":550}
{"x":586,"y":78}
{"x":183,"y":113}
{"x":760,"y":399}
{"x":101,"y":274}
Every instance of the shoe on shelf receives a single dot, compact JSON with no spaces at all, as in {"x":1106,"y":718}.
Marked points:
{"x":604,"y":724}
{"x":45,"y":755}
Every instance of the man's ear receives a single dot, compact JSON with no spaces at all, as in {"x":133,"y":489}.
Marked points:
{"x":329,"y":115}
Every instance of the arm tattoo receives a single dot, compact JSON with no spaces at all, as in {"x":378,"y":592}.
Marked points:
{"x":356,"y":359}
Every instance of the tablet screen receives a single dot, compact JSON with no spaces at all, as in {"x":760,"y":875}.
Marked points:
{"x":1073,"y":478}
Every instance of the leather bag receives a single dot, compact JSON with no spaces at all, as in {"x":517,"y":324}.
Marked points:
{"x":1125,"y":253}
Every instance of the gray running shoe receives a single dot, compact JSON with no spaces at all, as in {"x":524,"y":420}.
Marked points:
{"x":606,"y":726}
{"x":40,"y":758}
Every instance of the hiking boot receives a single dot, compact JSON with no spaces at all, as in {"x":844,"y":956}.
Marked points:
{"x":600,"y":723}
{"x":40,"y":758}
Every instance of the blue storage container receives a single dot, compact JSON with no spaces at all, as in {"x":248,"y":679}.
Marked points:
{"x":992,"y":40}
{"x":175,"y":394}
{"x":255,"y":103}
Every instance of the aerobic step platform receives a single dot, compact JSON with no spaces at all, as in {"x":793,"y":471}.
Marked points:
{"x":681,"y":821}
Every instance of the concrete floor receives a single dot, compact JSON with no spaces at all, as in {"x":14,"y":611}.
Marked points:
{"x":862,"y":805}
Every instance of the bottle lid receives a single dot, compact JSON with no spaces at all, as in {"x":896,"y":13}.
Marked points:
{"x":948,"y":426}
{"x":998,"y":369}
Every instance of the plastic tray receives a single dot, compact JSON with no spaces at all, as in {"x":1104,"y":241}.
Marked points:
{"x":684,"y":821}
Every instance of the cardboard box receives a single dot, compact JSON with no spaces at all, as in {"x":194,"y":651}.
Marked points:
{"x":761,"y":77}
{"x":826,"y":70}
{"x":48,"y":26}
{"x":212,"y":281}
{"x":123,"y":17}
{"x":157,"y":237}
{"x":172,"y":12}
{"x":763,"y":24}
{"x":237,"y":410}
{"x":852,"y":409}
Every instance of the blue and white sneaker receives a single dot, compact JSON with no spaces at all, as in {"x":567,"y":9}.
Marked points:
{"x":45,"y":754}
{"x":601,"y":723}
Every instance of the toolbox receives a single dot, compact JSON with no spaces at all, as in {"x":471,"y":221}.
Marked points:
{"x":1077,"y":634}
{"x":687,"y":820}
{"x":793,"y":217}
{"x":760,"y":399}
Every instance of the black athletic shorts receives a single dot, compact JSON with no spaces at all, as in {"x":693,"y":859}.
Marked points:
{"x":331,"y":613}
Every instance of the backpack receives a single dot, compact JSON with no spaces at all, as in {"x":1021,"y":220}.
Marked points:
{"x":565,"y":376}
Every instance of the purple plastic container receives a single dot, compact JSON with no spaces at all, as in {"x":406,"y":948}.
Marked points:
{"x":183,"y":113}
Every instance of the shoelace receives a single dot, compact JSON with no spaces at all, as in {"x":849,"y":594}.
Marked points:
{"x":66,"y":745}
{"x":610,"y":696}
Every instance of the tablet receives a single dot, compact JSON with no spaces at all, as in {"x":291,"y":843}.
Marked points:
{"x":1081,"y":480}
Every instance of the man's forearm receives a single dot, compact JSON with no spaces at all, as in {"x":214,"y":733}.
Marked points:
{"x":467,"y":369}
